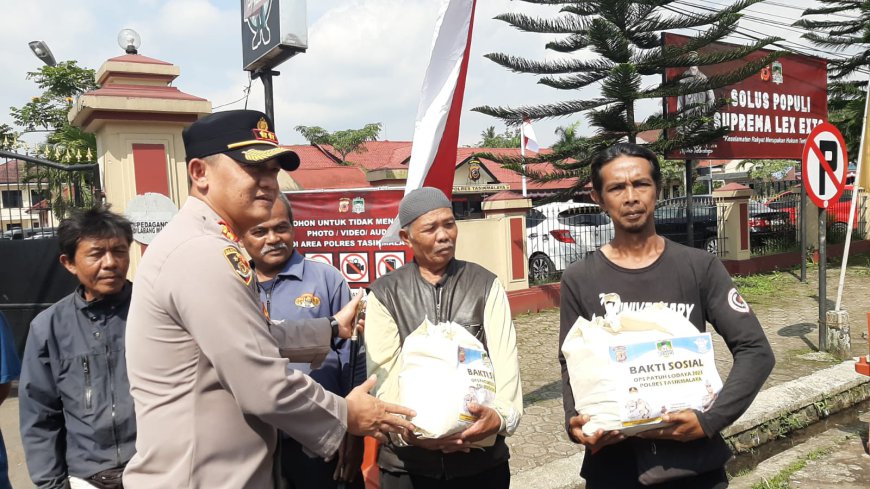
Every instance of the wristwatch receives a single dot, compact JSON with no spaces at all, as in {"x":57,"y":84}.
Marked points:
{"x":333,"y":323}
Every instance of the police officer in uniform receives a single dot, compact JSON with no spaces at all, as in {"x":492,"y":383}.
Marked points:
{"x":208,"y":370}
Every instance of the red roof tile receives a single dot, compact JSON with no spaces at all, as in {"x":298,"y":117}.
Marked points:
{"x":330,"y":178}
{"x":12,"y":171}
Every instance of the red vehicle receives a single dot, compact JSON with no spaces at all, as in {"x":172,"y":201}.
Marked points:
{"x":837,"y":212}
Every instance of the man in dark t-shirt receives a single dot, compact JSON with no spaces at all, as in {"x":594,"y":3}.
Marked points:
{"x":637,"y":268}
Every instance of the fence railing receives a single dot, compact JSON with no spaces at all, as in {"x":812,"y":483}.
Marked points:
{"x":35,"y":194}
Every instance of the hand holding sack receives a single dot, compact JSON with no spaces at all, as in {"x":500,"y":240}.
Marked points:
{"x":628,"y":369}
{"x":444,"y":368}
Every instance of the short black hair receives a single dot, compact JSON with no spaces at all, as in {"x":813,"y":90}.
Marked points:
{"x":284,"y":200}
{"x":623,"y":149}
{"x":96,"y":222}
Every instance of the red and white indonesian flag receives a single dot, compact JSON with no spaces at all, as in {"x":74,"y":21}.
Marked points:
{"x":436,"y":132}
{"x":529,"y":142}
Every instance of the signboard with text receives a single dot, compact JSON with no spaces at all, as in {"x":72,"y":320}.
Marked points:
{"x":343,"y":228}
{"x":769,"y":114}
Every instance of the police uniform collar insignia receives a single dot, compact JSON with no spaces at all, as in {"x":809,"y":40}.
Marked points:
{"x":239,"y":264}
{"x":227,"y":232}
{"x":308,"y":301}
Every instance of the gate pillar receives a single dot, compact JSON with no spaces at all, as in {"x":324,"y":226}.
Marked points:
{"x":138,"y":118}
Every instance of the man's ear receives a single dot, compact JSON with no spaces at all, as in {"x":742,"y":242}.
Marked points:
{"x":197,"y":172}
{"x":595,"y":197}
{"x":405,"y":236}
{"x":68,"y":264}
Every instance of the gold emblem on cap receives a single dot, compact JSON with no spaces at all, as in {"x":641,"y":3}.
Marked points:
{"x":262,"y":124}
{"x":258,"y":155}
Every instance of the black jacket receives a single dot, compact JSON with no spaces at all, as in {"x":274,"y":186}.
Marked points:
{"x":76,"y":411}
{"x":460,"y":296}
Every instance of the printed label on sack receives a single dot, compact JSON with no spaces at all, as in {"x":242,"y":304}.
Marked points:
{"x":476,"y":367}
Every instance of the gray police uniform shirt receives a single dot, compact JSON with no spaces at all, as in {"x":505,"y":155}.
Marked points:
{"x":209,"y":383}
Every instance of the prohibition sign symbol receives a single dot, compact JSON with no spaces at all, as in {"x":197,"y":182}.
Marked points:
{"x":354,"y":267}
{"x":321,"y":257}
{"x":824,"y":164}
{"x":387,"y":262}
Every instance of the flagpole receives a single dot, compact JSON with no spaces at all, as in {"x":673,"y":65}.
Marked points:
{"x":523,"y":157}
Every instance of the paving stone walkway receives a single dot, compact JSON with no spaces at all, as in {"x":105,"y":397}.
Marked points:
{"x":788,"y":314}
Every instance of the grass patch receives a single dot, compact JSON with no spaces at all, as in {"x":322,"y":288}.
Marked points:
{"x":758,"y":287}
{"x":780,"y":480}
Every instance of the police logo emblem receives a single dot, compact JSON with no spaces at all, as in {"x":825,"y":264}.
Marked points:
{"x":474,"y":171}
{"x":308,"y":301}
{"x":343,"y":204}
{"x":239,"y":264}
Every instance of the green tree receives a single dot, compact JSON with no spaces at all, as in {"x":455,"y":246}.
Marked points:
{"x":47,"y":112}
{"x":766,"y":169}
{"x":848,"y":30}
{"x":343,"y":142}
{"x":64,"y":143}
{"x":570,"y":140}
{"x":625,"y":37}
{"x":510,"y":138}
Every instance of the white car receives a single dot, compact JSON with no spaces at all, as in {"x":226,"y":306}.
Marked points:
{"x":561,"y":233}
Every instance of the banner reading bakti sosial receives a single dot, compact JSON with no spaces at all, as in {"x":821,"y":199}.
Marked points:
{"x":343,"y":228}
{"x":769,"y":114}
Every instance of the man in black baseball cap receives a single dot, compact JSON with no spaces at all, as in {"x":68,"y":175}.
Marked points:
{"x":244,"y":135}
{"x":200,"y":351}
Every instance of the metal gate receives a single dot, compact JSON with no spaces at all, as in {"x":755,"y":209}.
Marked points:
{"x":35,"y":194}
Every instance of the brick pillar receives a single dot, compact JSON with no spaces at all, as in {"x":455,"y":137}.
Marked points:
{"x":138,"y":118}
{"x":498,"y":242}
{"x":732,"y":204}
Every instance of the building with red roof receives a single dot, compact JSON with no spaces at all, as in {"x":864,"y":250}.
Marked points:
{"x":385,"y":164}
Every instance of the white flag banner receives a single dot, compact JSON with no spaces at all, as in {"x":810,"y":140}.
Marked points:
{"x":440,"y":100}
{"x":528,"y":138}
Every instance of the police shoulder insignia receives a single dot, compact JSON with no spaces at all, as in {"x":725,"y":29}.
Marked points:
{"x":239,"y":264}
{"x":308,"y":301}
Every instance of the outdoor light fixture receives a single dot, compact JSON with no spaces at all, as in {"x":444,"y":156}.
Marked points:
{"x":129,"y":41}
{"x":40,"y":49}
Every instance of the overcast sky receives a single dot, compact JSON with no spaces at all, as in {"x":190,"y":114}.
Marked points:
{"x":365,"y":62}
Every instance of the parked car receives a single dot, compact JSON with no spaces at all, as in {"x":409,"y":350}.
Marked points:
{"x":560,"y":233}
{"x":837,"y":213}
{"x":765,"y":223}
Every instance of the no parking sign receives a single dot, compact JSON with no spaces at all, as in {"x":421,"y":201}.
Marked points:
{"x":824,"y":164}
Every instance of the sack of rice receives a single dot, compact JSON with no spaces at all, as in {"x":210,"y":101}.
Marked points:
{"x":444,"y":368}
{"x":630,"y":368}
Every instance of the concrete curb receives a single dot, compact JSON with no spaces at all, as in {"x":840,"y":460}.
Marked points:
{"x":776,"y":411}
{"x":796,"y":404}
{"x":771,"y":467}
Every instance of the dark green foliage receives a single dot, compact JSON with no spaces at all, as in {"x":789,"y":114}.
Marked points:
{"x":848,"y":30}
{"x":624,"y":38}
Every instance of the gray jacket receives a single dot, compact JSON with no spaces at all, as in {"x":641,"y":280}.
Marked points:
{"x":75,"y":406}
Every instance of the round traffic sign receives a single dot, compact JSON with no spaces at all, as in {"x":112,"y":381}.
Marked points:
{"x":824,"y":164}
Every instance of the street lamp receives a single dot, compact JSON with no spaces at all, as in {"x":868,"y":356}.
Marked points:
{"x":129,"y":41}
{"x":40,"y":49}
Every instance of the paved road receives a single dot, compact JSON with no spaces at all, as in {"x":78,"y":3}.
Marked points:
{"x":788,"y":315}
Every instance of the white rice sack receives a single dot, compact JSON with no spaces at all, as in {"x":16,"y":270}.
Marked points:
{"x":628,"y":369}
{"x":443,"y":369}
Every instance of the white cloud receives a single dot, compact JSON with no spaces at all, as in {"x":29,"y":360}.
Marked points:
{"x":365,"y":62}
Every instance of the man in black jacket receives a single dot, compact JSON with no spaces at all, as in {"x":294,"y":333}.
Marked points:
{"x":78,"y":427}
{"x":638,"y":266}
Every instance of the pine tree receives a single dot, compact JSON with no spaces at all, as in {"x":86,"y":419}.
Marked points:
{"x":626,"y":37}
{"x":845,"y":26}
